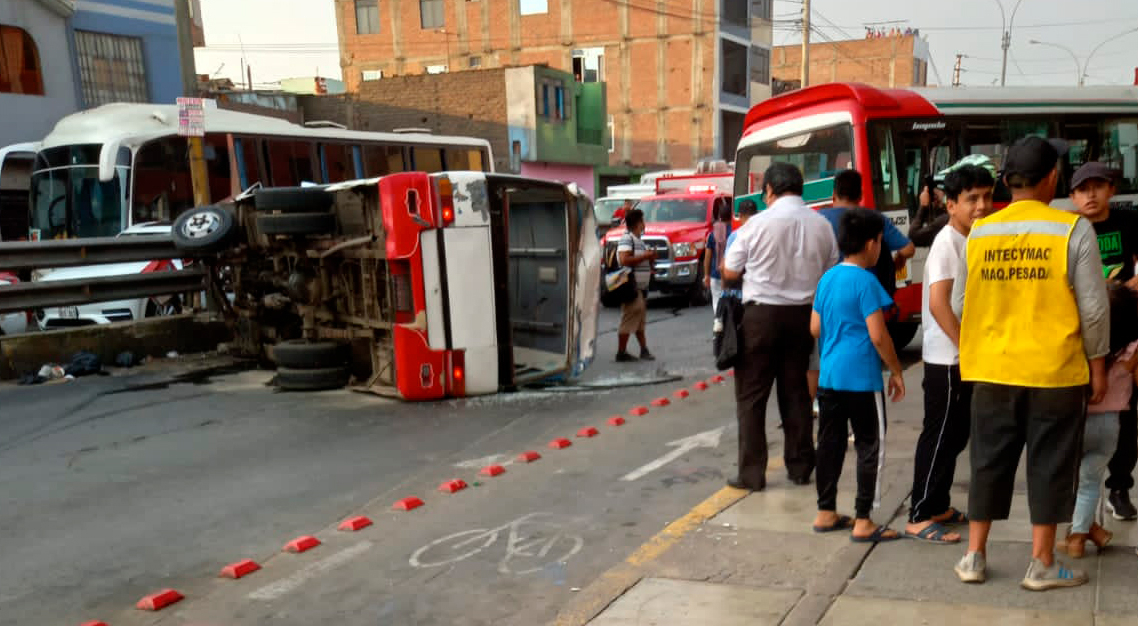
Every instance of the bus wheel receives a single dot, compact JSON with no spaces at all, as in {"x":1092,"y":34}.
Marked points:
{"x":306,"y":354}
{"x":902,"y":333}
{"x":292,"y":199}
{"x":203,"y":229}
{"x":312,"y":379}
{"x":297,"y":224}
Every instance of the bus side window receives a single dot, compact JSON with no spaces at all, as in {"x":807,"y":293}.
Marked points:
{"x":427,"y":160}
{"x":335,"y":163}
{"x":217,"y":165}
{"x":290,"y":162}
{"x":381,"y":160}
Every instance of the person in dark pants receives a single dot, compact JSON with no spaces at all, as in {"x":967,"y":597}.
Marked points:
{"x":948,"y":418}
{"x":1092,"y":187}
{"x":849,"y":322}
{"x":780,"y":254}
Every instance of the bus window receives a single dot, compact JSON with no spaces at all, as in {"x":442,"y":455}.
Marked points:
{"x":248,"y":164}
{"x":289,"y":162}
{"x":820,"y":154}
{"x":162,"y":184}
{"x":336,"y":163}
{"x":380,"y":160}
{"x":426,"y":159}
{"x":887,"y":183}
{"x":464,"y":159}
{"x":1119,"y":141}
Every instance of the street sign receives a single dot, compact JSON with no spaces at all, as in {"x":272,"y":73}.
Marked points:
{"x":191,"y":117}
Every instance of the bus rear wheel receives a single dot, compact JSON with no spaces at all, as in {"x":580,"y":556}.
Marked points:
{"x":203,"y":229}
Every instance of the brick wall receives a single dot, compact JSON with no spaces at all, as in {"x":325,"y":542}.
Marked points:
{"x":471,"y":104}
{"x":884,"y":62}
{"x":658,"y":65}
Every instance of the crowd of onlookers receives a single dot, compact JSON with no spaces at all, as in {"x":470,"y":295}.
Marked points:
{"x":1030,"y":331}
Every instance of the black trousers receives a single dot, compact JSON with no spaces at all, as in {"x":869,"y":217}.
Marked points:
{"x":1121,"y":466}
{"x":1050,"y":423}
{"x":864,"y":411}
{"x":948,"y":419}
{"x":776,"y":350}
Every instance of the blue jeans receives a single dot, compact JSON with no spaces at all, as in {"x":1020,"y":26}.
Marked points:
{"x":1099,"y":441}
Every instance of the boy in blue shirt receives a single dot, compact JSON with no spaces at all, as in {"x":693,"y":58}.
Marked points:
{"x":850,"y":327}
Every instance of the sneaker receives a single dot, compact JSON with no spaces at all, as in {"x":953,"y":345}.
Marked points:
{"x":1120,"y":506}
{"x":973,"y":568}
{"x":1039,"y":577}
{"x":645,"y":355}
{"x":624,"y":357}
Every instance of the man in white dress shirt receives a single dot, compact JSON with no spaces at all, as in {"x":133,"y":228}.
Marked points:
{"x":780,"y":254}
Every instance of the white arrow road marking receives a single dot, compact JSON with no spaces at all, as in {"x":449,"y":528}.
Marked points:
{"x":493,"y":459}
{"x":706,"y":439}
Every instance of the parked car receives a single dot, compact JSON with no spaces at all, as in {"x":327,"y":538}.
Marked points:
{"x":11,"y":323}
{"x":117,"y":310}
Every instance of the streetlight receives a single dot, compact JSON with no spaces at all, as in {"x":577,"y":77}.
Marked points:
{"x":1007,"y":41}
{"x":1078,"y":66}
{"x":1087,"y":65}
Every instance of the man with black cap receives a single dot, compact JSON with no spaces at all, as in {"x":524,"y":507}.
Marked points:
{"x":1034,"y":332}
{"x":1092,"y":187}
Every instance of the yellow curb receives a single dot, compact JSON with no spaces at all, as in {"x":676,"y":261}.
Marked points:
{"x":618,"y":579}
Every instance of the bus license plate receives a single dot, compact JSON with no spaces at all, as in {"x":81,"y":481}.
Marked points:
{"x":69,"y":312}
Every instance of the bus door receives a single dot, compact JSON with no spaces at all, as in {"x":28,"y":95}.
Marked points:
{"x":15,"y":182}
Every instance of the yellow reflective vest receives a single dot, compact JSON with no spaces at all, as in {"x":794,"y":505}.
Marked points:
{"x":1021,"y":319}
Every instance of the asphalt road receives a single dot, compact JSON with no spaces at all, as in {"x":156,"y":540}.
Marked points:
{"x":108,"y":495}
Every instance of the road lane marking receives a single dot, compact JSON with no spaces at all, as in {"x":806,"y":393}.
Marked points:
{"x":288,"y":584}
{"x":706,"y":439}
{"x":493,"y":459}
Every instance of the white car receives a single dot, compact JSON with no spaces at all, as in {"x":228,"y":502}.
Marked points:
{"x":11,"y":323}
{"x":118,"y":310}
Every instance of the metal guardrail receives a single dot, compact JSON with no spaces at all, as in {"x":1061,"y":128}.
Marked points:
{"x":30,"y":255}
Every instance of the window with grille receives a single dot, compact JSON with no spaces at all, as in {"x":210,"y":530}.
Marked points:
{"x":431,"y":14}
{"x":367,"y":17}
{"x":111,"y":68}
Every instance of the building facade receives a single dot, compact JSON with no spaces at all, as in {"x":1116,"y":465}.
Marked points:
{"x":680,"y":75}
{"x":887,"y":61}
{"x":37,"y":82}
{"x":539,"y":121}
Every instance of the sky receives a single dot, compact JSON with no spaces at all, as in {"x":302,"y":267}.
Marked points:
{"x":301,"y":40}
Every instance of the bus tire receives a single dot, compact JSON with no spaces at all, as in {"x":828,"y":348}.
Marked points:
{"x":297,"y":224}
{"x":307,"y":354}
{"x":902,"y":333}
{"x":312,"y":379}
{"x":292,"y":199}
{"x":203,"y":229}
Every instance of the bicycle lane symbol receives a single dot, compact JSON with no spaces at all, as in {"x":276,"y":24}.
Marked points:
{"x":529,"y":537}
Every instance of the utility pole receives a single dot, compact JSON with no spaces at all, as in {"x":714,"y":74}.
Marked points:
{"x":805,"y":76}
{"x":186,"y":48}
{"x":956,"y":71}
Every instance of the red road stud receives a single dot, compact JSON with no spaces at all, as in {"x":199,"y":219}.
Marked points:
{"x":638,"y":411}
{"x":355,"y":523}
{"x":160,"y":600}
{"x":588,"y":432}
{"x":94,"y":623}
{"x":717,"y":379}
{"x":661,"y":402}
{"x":239,"y":569}
{"x":682,"y":393}
{"x":529,"y":456}
{"x":560,"y":443}
{"x":304,"y":543}
{"x":616,"y":420}
{"x":492,"y":470}
{"x":700,"y":386}
{"x":407,"y":504}
{"x":452,"y":486}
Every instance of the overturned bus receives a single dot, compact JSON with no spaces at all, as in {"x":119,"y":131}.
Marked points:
{"x":420,"y":286}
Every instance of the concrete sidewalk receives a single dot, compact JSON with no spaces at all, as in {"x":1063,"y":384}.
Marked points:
{"x":753,"y":559}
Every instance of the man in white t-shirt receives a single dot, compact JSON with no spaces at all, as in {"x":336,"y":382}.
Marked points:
{"x":968,"y":194}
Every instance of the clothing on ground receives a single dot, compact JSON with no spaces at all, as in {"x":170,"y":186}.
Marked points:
{"x":633,"y":315}
{"x":942,"y":263}
{"x":643,"y":270}
{"x":944,"y":435}
{"x":784,"y":250}
{"x":1049,"y":422}
{"x":864,"y":412}
{"x":1099,"y":440}
{"x":847,"y":295}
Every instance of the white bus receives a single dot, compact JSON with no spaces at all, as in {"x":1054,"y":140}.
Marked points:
{"x":103,"y":170}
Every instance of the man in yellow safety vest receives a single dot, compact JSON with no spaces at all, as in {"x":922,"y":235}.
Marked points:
{"x":1035,"y":331}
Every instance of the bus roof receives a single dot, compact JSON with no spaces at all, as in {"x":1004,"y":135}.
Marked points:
{"x":1004,"y":100}
{"x":873,"y":102}
{"x":134,"y":124}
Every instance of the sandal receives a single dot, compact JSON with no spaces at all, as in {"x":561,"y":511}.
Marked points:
{"x":933,"y":533}
{"x":877,"y":536}
{"x":955,"y":518}
{"x":844,"y":522}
